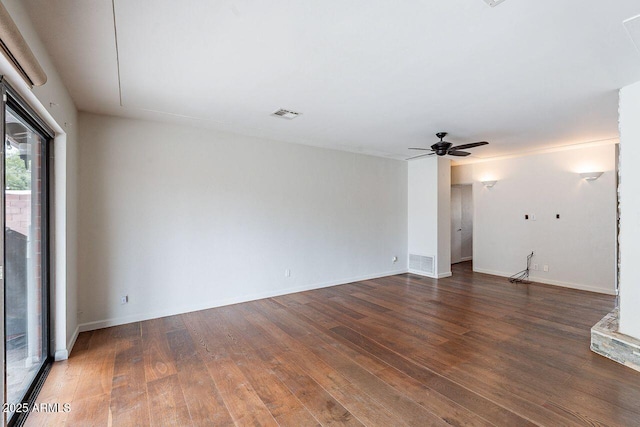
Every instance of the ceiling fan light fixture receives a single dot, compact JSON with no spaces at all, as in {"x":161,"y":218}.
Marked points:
{"x":444,"y":148}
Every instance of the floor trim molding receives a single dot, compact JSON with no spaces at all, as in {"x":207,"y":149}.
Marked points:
{"x":551,"y":282}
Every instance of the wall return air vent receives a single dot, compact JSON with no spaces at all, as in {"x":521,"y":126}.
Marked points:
{"x":285,"y":114}
{"x":421,"y":264}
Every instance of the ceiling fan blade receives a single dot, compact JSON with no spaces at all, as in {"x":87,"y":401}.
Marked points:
{"x":421,"y":155}
{"x":425,"y":149}
{"x":471,"y":145}
{"x":458,"y":153}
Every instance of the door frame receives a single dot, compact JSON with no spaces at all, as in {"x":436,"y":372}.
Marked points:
{"x":462,"y":187}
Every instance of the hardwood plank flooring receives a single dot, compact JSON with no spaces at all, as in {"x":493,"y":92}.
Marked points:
{"x":469,"y":350}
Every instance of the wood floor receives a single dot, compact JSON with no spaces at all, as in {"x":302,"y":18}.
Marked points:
{"x":469,"y":350}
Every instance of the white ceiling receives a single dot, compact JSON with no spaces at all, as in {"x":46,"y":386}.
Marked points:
{"x":372,"y":76}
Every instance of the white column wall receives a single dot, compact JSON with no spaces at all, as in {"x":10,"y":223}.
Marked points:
{"x":630,"y":210}
{"x":429,"y":212}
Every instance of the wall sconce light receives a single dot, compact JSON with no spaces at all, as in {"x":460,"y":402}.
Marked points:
{"x":489,"y":184}
{"x":590,"y":176}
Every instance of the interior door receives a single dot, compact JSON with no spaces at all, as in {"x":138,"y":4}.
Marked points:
{"x":456,"y":225}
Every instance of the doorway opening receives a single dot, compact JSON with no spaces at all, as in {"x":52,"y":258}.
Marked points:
{"x":461,"y":223}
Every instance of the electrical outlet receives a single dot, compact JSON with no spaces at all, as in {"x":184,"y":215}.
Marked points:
{"x":124,"y":299}
{"x":287,"y":273}
{"x":546,"y":268}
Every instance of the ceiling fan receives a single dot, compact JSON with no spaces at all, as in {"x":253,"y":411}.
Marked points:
{"x":444,"y":148}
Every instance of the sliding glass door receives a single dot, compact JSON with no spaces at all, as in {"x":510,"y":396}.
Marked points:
{"x":26,"y":296}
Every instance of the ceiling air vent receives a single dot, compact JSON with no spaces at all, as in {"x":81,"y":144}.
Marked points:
{"x":285,"y":114}
{"x":493,"y":3}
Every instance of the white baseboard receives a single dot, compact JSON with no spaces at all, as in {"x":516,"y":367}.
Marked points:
{"x":551,"y":282}
{"x":466,"y":258}
{"x":422,"y":273}
{"x":63,"y":354}
{"x":99,"y":324}
{"x":431,"y":276}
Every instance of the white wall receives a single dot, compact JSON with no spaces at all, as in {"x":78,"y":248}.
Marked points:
{"x":579,"y":248}
{"x":630,"y":210}
{"x":182,"y":219}
{"x":54,"y":105}
{"x":429,"y":211}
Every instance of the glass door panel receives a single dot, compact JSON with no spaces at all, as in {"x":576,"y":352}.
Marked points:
{"x":25,"y":292}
